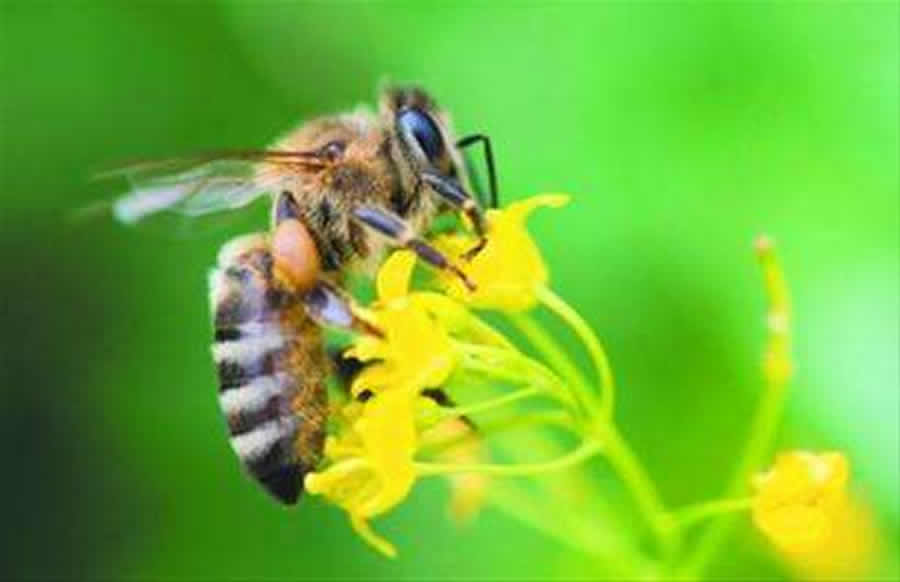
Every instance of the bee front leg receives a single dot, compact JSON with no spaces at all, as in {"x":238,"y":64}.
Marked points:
{"x":451,"y":192}
{"x":396,"y":230}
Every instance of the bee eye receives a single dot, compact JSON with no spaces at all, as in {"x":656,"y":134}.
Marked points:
{"x":333,"y":150}
{"x":414,"y":123}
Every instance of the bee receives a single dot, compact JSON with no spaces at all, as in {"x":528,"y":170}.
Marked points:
{"x":343,"y":188}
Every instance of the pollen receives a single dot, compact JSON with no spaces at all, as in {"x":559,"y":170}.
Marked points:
{"x":295,"y":256}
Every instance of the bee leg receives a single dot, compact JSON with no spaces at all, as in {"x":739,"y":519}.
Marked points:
{"x":394,"y":228}
{"x":329,"y":307}
{"x":451,"y":192}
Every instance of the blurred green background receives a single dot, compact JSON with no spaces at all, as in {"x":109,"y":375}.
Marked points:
{"x":683,"y":130}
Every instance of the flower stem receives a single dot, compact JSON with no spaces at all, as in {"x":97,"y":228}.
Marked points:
{"x":557,"y":359}
{"x":693,"y":514}
{"x":558,"y":419}
{"x":641,"y":487}
{"x":586,"y":450}
{"x":491,"y":403}
{"x":587,"y":336}
{"x":484,"y":333}
{"x":616,"y":448}
{"x":776,"y":375}
{"x":489,"y":360}
{"x":621,"y":558}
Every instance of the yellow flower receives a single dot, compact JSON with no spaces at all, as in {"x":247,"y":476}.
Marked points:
{"x":415,"y":349}
{"x":371,"y":466}
{"x":370,"y":459}
{"x":798,"y":501}
{"x":509,"y":270}
{"x":372,"y":463}
{"x":850,"y":552}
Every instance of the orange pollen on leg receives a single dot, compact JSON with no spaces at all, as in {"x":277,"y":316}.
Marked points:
{"x":296,"y":259}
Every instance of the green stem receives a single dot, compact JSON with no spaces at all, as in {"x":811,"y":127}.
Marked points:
{"x":491,"y":403}
{"x":584,"y":451}
{"x":693,"y":514}
{"x":487,"y":334}
{"x":776,"y":374}
{"x":557,"y":359}
{"x":478,"y":358}
{"x":516,"y":504}
{"x":620,"y":558}
{"x":558,"y":419}
{"x":762,"y":433}
{"x":587,"y":336}
{"x":642,"y":489}
{"x":617,"y":450}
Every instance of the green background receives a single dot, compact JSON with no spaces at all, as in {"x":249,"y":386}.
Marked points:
{"x":682,"y":130}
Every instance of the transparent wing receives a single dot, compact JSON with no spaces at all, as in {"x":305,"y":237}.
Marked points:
{"x":211,"y":187}
{"x":197,"y":186}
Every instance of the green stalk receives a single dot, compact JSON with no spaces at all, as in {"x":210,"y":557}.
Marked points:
{"x":587,"y":336}
{"x":776,"y":374}
{"x":492,"y":403}
{"x":694,"y":514}
{"x":477,"y":358}
{"x":556,"y":357}
{"x":641,"y":487}
{"x":616,"y":449}
{"x":584,"y":451}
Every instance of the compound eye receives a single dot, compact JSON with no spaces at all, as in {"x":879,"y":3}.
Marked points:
{"x":416,"y":124}
{"x":333,"y":150}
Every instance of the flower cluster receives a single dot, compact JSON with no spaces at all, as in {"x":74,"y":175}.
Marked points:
{"x":372,"y":457}
{"x":416,"y":410}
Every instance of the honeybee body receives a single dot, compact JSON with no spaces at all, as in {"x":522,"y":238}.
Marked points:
{"x":342,"y":187}
{"x":271,"y":367}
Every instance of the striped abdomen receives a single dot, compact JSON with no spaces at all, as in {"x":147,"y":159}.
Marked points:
{"x":272,"y":369}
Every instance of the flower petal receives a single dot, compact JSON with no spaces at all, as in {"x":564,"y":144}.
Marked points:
{"x":520,"y":210}
{"x":364,"y":530}
{"x":509,"y":269}
{"x":387,"y":430}
{"x":394,"y":276}
{"x":415,"y":348}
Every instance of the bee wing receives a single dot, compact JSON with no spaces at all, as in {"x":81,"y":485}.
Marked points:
{"x":215,"y":186}
{"x":205,"y":184}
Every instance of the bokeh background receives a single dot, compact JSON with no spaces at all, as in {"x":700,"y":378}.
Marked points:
{"x":683,"y":130}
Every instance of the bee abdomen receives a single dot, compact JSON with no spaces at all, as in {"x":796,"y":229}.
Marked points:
{"x":273,"y":407}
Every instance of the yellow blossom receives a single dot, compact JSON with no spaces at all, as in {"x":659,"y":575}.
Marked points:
{"x":798,"y":501}
{"x":415,"y":349}
{"x":850,"y":552}
{"x":371,"y":466}
{"x":374,"y":468}
{"x":509,"y":270}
